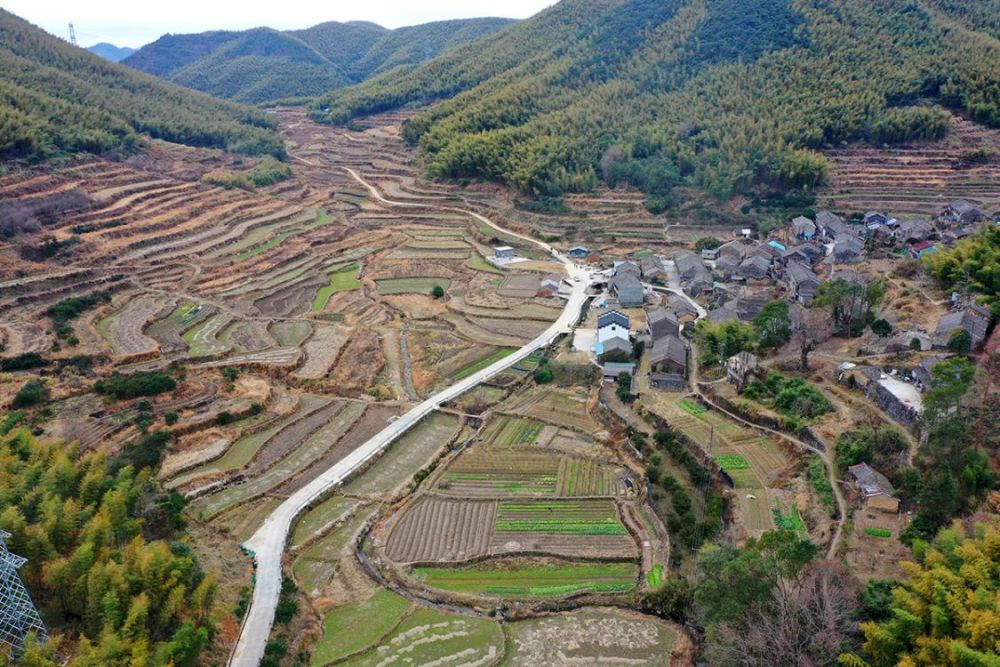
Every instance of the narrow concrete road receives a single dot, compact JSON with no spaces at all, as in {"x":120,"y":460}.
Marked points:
{"x":268,"y":543}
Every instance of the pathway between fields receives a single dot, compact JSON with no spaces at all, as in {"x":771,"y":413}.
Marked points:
{"x":268,"y":543}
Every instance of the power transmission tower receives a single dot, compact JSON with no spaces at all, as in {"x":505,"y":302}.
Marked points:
{"x":18,"y":615}
{"x":72,"y":35}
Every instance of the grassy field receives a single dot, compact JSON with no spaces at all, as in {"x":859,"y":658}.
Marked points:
{"x":691,"y":407}
{"x":321,"y":219}
{"x":878,"y":532}
{"x":291,"y":333}
{"x":478,"y":263}
{"x":483,"y":363}
{"x":655,"y":577}
{"x":506,"y":431}
{"x":513,"y":580}
{"x":354,"y":627}
{"x":430,"y":637}
{"x":317,"y":564}
{"x":730,"y":462}
{"x":411,"y":285}
{"x":340,"y":281}
{"x":559,"y":517}
{"x":319,"y":517}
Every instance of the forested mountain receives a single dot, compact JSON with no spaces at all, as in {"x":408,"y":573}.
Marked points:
{"x":110,"y":51}
{"x":56,"y":98}
{"x":723,"y":95}
{"x":263,"y":65}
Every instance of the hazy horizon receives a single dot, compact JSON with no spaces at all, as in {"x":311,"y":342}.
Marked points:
{"x":127,"y":24}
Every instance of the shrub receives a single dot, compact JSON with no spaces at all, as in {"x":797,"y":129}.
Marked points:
{"x":34,"y":392}
{"x":146,"y":452}
{"x":171,"y":418}
{"x":23,"y":362}
{"x":960,"y":342}
{"x":437,"y":292}
{"x":140,"y":383}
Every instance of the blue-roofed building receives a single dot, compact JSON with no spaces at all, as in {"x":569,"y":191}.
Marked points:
{"x":779,"y":246}
{"x":579,"y":252}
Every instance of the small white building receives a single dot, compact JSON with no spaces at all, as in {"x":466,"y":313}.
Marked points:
{"x":504,"y":252}
{"x":612,"y":324}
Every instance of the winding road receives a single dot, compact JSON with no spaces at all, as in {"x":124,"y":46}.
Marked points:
{"x":268,"y":543}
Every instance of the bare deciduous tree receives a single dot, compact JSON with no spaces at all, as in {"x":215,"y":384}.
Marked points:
{"x":806,"y":623}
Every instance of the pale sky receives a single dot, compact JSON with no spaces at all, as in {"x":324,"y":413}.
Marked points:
{"x":137,"y":22}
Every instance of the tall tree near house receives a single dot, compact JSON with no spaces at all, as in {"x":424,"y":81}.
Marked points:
{"x":773,"y":324}
{"x":812,"y":326}
{"x":950,"y":380}
{"x":851,"y":304}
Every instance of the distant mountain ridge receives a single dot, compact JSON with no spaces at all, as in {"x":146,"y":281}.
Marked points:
{"x":57,"y":99}
{"x":110,"y":51}
{"x":264,"y":65}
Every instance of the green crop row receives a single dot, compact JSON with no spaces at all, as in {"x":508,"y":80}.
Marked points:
{"x":561,"y":527}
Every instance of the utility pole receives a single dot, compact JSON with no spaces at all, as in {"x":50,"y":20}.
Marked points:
{"x":72,"y":35}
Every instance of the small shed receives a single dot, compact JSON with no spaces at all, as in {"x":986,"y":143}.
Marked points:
{"x":504,"y":252}
{"x":875,"y":490}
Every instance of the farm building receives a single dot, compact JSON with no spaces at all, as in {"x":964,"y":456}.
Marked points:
{"x":877,"y":219}
{"x":504,"y":252}
{"x":550,"y":283}
{"x":579,"y":252}
{"x":743,"y":369}
{"x":627,"y":288}
{"x":902,"y":340}
{"x":803,"y":227}
{"x":612,"y":369}
{"x":669,"y":356}
{"x":974,"y":319}
{"x":662,"y":322}
{"x":612,"y":324}
{"x":875,"y":490}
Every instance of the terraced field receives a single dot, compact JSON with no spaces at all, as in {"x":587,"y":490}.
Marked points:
{"x":531,"y":580}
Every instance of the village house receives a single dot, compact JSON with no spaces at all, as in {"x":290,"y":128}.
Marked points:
{"x":668,"y":362}
{"x":711,"y":254}
{"x":876,"y":492}
{"x":743,"y":369}
{"x":627,"y":288}
{"x":756,"y":267}
{"x":579,"y":252}
{"x":901,"y":341}
{"x":682,"y":308}
{"x":805,"y":252}
{"x":695,"y":276}
{"x":653,"y":270}
{"x":612,"y":324}
{"x":900,"y":400}
{"x":962,"y":212}
{"x":832,"y":226}
{"x":614,"y":349}
{"x":914,"y":231}
{"x":662,"y":322}
{"x":504,"y":252}
{"x":803,"y":228}
{"x":802,"y":282}
{"x":748,"y":305}
{"x":875,"y":219}
{"x":974,"y":319}
{"x":848,"y":250}
{"x":918,"y":250}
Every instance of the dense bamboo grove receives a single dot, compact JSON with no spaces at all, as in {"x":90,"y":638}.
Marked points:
{"x":58,"y":99}
{"x":730,"y":93}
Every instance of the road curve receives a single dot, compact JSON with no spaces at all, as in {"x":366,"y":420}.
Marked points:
{"x":268,"y":543}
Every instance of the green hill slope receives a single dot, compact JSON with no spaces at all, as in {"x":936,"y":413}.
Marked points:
{"x":264,"y":65}
{"x":723,"y":95}
{"x":56,"y":98}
